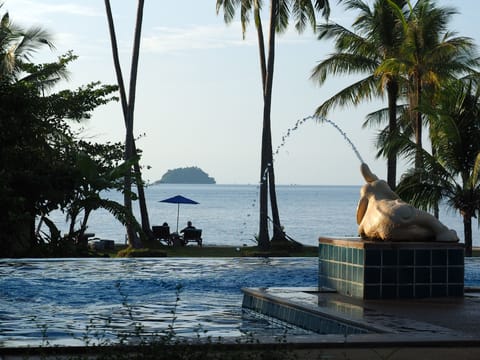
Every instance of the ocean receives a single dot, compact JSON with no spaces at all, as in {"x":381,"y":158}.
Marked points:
{"x":228,"y":214}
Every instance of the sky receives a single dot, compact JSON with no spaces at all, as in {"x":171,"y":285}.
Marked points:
{"x":199,"y":100}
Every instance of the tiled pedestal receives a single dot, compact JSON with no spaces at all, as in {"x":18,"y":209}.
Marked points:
{"x":389,"y":270}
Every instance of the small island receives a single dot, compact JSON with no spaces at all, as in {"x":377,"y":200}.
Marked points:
{"x":187,"y":175}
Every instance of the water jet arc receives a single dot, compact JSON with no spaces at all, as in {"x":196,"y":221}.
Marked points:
{"x":347,"y":139}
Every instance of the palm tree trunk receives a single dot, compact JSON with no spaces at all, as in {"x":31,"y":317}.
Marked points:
{"x":127,"y":180}
{"x":418,"y":127}
{"x":263,"y":237}
{"x":436,"y":207}
{"x":127,"y":108}
{"x":467,"y":229}
{"x":278,"y":234}
{"x":133,"y":89}
{"x":127,"y":199}
{"x":392,"y":90}
{"x":263,"y":241}
{"x":142,"y":200}
{"x":261,"y":45}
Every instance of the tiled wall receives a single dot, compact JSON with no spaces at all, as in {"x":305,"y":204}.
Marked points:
{"x":302,"y":318}
{"x":391,"y":270}
{"x":341,"y":268}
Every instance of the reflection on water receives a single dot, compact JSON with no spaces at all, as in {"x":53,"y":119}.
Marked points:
{"x":350,"y":310}
{"x":64,"y":300}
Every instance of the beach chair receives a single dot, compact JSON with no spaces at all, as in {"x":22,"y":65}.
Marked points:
{"x":162,"y":233}
{"x":192,"y":235}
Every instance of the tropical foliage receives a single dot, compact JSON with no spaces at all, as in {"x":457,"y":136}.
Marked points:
{"x":17,"y":45}
{"x":376,"y":36}
{"x":451,"y":174}
{"x":429,"y":55}
{"x":408,"y":54}
{"x":45,"y":166}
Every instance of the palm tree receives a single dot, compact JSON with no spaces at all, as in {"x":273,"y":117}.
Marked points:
{"x":429,"y":55}
{"x":303,"y":12}
{"x":17,"y":45}
{"x":374,"y":38}
{"x":128,"y":113}
{"x":452,"y":172}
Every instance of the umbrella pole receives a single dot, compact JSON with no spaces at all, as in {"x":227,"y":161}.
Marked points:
{"x":178,"y":211}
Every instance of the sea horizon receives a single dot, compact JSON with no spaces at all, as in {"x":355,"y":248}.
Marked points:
{"x":228,"y":213}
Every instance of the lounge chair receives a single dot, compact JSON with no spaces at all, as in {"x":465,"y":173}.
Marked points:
{"x":192,"y":235}
{"x":162,"y":233}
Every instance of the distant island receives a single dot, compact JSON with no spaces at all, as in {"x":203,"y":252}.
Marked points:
{"x":187,"y":175}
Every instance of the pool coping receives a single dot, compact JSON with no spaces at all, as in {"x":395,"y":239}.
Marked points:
{"x":388,"y":329}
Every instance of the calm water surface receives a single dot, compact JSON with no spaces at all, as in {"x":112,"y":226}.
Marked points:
{"x":59,"y":299}
{"x":63,"y":300}
{"x":228,"y":214}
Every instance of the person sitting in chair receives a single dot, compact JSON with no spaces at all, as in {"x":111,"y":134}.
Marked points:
{"x":189,"y":227}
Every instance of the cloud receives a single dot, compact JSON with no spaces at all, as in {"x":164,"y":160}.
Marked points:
{"x":195,"y":37}
{"x":39,"y":9}
{"x":207,"y":37}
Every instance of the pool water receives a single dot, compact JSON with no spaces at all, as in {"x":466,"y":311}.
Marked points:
{"x":66,"y":301}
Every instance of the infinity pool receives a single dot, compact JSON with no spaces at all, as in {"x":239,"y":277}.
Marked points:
{"x":65,"y":301}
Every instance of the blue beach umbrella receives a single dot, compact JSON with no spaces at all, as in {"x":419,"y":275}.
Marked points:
{"x":179,"y":199}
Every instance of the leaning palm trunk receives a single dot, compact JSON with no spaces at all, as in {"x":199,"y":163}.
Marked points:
{"x":128,"y":108}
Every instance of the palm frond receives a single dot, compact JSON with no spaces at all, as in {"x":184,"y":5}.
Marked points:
{"x":376,"y":118}
{"x":245,"y":12}
{"x":364,"y":89}
{"x":229,"y":8}
{"x":282,"y":16}
{"x":119,"y":212}
{"x":324,"y":7}
{"x":414,"y":189}
{"x":475,"y":179}
{"x":303,"y":13}
{"x":342,"y":64}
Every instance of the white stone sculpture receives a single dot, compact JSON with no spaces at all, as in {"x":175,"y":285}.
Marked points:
{"x":382,"y":215}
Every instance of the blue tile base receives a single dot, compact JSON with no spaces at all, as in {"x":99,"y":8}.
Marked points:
{"x":301,"y":316}
{"x":391,"y":270}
